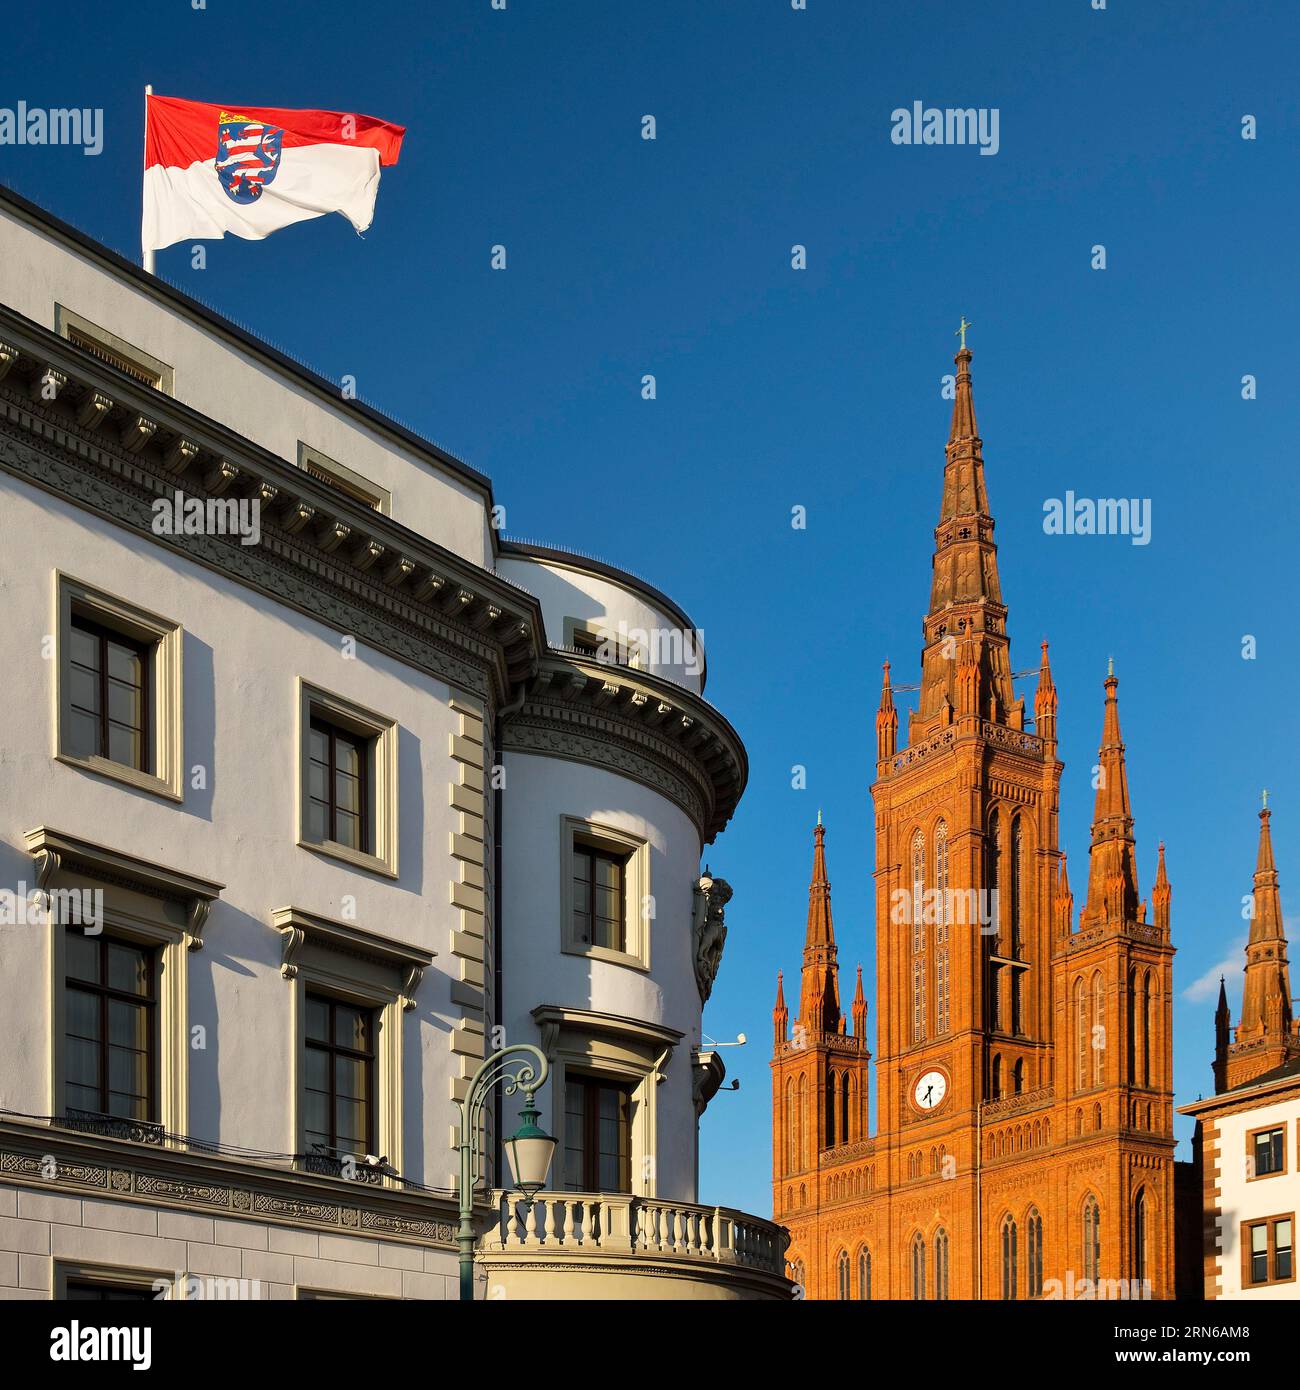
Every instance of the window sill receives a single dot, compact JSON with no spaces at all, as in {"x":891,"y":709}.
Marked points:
{"x":371,"y":863}
{"x":120,"y":772}
{"x":604,"y":953}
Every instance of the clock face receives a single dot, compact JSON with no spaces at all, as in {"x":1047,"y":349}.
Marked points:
{"x":930,"y":1089}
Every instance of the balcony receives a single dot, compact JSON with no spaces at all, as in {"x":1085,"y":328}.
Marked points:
{"x":573,"y":1245}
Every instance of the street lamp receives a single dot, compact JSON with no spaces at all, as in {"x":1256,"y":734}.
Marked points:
{"x":521,"y":1067}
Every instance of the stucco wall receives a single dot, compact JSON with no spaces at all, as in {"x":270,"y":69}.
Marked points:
{"x":539,"y":792}
{"x":242,"y":657}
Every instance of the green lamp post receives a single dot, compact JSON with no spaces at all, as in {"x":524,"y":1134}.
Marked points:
{"x":522,"y":1067}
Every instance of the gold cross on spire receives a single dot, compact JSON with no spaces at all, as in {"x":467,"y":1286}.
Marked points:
{"x":962,"y":331}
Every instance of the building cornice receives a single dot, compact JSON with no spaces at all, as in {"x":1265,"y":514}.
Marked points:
{"x":215,"y":1184}
{"x":215,"y":324}
{"x":638,"y":725}
{"x":113,"y":446}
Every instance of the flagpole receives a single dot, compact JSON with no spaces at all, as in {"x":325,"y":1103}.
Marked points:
{"x":146,"y":254}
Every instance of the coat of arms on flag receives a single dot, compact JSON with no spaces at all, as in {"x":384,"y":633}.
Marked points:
{"x":268,"y":168}
{"x":248,"y":154}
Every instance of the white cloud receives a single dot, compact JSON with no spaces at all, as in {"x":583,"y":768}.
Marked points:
{"x":1206,"y":987}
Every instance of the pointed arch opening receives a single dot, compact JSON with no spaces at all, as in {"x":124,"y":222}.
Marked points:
{"x":941,"y":1264}
{"x":918,"y":1266}
{"x":941,"y":930}
{"x":1091,"y":1238}
{"x":918,"y":938}
{"x":1010,"y":1256}
{"x":1034,"y":1263}
{"x":864,"y":1273}
{"x":842,"y":1276}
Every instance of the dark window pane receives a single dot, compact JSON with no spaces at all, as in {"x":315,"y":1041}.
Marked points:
{"x":128,"y":969}
{"x":84,"y":647}
{"x":123,"y":746}
{"x":318,"y":1019}
{"x":83,"y":735}
{"x":83,"y":956}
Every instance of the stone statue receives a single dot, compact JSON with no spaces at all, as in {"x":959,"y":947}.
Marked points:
{"x":709,"y":930}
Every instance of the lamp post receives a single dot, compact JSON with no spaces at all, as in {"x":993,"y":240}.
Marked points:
{"x":521,"y":1067}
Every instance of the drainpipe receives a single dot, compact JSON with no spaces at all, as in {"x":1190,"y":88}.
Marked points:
{"x":498,"y":812}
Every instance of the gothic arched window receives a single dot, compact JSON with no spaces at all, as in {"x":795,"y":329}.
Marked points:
{"x":1148,"y":1026}
{"x":796,"y":1274}
{"x":1034,"y":1222}
{"x":1009,"y":1257}
{"x":941,"y":929}
{"x":1018,"y":1077}
{"x":941,"y":1264}
{"x":832,"y":1088}
{"x":1017,"y":886}
{"x":801,"y":1122}
{"x":864,"y":1273}
{"x":993,"y":910}
{"x":1140,"y":1235}
{"x":842,"y":1275}
{"x":845,"y":1136}
{"x":1098,"y":1030}
{"x":791,"y":1129}
{"x":1091,"y":1238}
{"x":1081,"y":1034}
{"x":918,"y":937}
{"x":995,"y":1086}
{"x":918,"y":1266}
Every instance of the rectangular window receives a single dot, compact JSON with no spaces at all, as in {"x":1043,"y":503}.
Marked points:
{"x":599,"y":897}
{"x":108,"y":695}
{"x":339,"y":777}
{"x":119,"y":690}
{"x":597,"y":1135}
{"x":87,"y":1291}
{"x":348,"y":769}
{"x":339,"y":1099}
{"x":116,"y":352}
{"x":344,"y":480}
{"x":1268,"y":1251}
{"x":605,"y":893}
{"x":1268,"y":1151}
{"x":110,"y":1039}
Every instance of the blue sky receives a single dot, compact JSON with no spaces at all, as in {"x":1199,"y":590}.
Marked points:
{"x":818,"y":388}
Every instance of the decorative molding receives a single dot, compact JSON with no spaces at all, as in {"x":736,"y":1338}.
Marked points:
{"x":486,"y":641}
{"x":471,"y":940}
{"x":54,"y":850}
{"x":299,"y":928}
{"x":239,"y":1188}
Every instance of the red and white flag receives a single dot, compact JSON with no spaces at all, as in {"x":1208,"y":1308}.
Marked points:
{"x":250,"y":170}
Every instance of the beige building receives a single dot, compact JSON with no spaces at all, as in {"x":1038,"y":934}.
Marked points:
{"x":316,"y":792}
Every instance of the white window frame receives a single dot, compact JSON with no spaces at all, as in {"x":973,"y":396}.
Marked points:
{"x":167,"y":719}
{"x":382,"y":732}
{"x":637,"y":891}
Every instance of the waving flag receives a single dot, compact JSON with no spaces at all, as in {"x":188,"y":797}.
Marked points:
{"x":250,"y":170}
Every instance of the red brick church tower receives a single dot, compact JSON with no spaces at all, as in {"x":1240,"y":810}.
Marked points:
{"x":1024,"y":1143}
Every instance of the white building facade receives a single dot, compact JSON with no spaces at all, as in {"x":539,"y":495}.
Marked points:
{"x":315,"y":792}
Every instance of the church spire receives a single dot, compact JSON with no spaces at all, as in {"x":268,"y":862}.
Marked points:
{"x":1266,"y":1000}
{"x":886,"y":721}
{"x":1112,"y":866}
{"x":1222,"y":1040}
{"x":780,"y":1015}
{"x":1045,"y":700}
{"x":1162,"y":893}
{"x":965,"y":591}
{"x":859,"y":1011}
{"x":819,"y":1000}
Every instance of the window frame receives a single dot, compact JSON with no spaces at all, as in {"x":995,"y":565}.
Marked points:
{"x":161,"y":641}
{"x":1278,"y":1128}
{"x":104,"y":993}
{"x":338,"y":475}
{"x":333,"y":1051}
{"x":1270,"y":1251}
{"x":381,"y":735}
{"x":591,"y":1084}
{"x":142,"y":367}
{"x":575,"y":833}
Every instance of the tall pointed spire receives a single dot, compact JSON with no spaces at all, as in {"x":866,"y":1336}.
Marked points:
{"x":886,"y":720}
{"x":1266,"y":1005}
{"x":859,"y":1010}
{"x":1112,"y":867}
{"x":965,"y":591}
{"x":780,"y":1016}
{"x":1064,"y":902}
{"x":1162,"y":894}
{"x":1045,"y":700}
{"x":1222,"y":1040}
{"x":819,"y":997}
